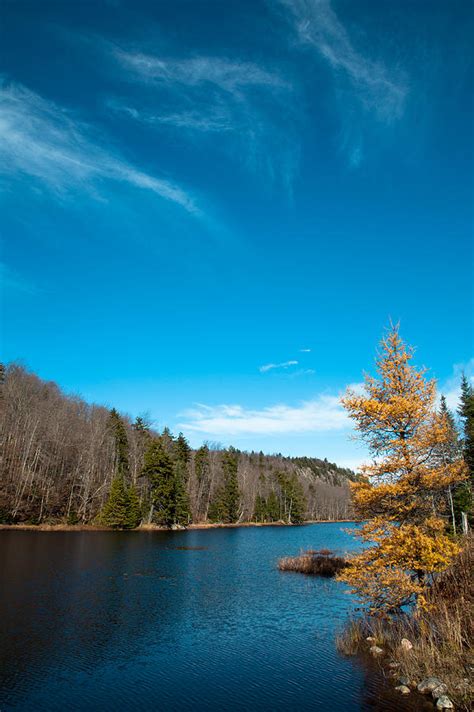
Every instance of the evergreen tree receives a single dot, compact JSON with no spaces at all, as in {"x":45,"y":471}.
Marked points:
{"x":217,"y":509}
{"x":273,"y":508}
{"x":182,"y":450}
{"x":201,"y":464}
{"x":134,"y":507}
{"x":268,"y":509}
{"x":448,"y":451}
{"x":158,"y":469}
{"x":181,"y":499}
{"x":225,"y":503}
{"x":294,"y":501}
{"x":168,"y":485}
{"x":122,"y":509}
{"x":202,"y":470}
{"x":121,"y":443}
{"x":260,"y":510}
{"x":466,"y":411}
{"x":141,"y":426}
{"x":231,"y":494}
{"x":182,"y":455}
{"x":463,"y":495}
{"x":167,"y":440}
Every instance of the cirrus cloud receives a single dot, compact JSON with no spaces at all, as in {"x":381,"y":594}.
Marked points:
{"x":250,"y":109}
{"x":271,"y":366}
{"x":42,"y":140}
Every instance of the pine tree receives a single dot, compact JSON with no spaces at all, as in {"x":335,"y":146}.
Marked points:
{"x":231,"y":494}
{"x":182,"y":456}
{"x":464,"y":492}
{"x":158,"y":469}
{"x":466,"y":411}
{"x":202,"y":464}
{"x":273,"y":508}
{"x":121,"y":443}
{"x":294,"y":501}
{"x":225,"y":503}
{"x":449,"y":451}
{"x":401,"y":496}
{"x":141,"y":426}
{"x":181,"y":499}
{"x":218,"y":512}
{"x":134,"y":507}
{"x":122,"y":509}
{"x":182,"y":450}
{"x":167,"y":440}
{"x":260,"y":509}
{"x":202,"y":469}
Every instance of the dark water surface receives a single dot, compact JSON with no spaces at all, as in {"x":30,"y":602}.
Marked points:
{"x":130,"y":621}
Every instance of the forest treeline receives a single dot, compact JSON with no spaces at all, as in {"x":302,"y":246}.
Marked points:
{"x":64,"y":460}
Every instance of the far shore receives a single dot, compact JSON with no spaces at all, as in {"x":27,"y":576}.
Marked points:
{"x":156,"y":527}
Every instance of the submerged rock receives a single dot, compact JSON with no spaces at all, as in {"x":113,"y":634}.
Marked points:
{"x":444,"y":703}
{"x":394,"y":665}
{"x":428,"y":685}
{"x":406,"y":644}
{"x":404,"y":681}
{"x":371,"y":639}
{"x":403,"y":689}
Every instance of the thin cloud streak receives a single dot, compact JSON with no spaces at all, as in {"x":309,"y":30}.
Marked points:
{"x":322,"y":414}
{"x":270,"y":366}
{"x":380,"y":90}
{"x":42,"y":140}
{"x":239,"y":101}
{"x":230,"y":76}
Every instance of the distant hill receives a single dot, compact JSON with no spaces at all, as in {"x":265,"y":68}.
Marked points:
{"x":59,"y":459}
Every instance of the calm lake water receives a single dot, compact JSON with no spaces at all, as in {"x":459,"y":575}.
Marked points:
{"x":131,"y":621}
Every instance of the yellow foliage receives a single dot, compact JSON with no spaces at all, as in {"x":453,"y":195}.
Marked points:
{"x":404,"y":497}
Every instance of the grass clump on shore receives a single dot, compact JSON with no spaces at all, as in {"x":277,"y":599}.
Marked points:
{"x":441,"y":636}
{"x":317,"y":563}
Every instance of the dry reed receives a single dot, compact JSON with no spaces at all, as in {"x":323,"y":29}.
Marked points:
{"x":316,"y":563}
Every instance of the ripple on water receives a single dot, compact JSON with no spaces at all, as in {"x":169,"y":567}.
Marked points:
{"x":194,"y":620}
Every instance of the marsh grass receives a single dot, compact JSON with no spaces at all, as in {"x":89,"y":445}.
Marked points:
{"x":317,"y":563}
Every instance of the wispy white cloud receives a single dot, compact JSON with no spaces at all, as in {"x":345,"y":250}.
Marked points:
{"x":380,"y":89}
{"x":42,"y":140}
{"x":366,"y":87}
{"x":270,"y":366}
{"x":216,"y":121}
{"x":230,"y":76}
{"x":305,"y":351}
{"x":322,"y":414}
{"x":242,"y":102}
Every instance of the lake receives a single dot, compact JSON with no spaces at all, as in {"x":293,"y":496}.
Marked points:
{"x":132,"y":621}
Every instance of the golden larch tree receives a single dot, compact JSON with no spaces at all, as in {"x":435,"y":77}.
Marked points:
{"x":403,"y":497}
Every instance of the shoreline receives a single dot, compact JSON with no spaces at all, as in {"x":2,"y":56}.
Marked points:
{"x":157,"y":527}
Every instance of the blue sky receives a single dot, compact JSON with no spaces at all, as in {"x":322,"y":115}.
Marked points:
{"x":211,"y":210}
